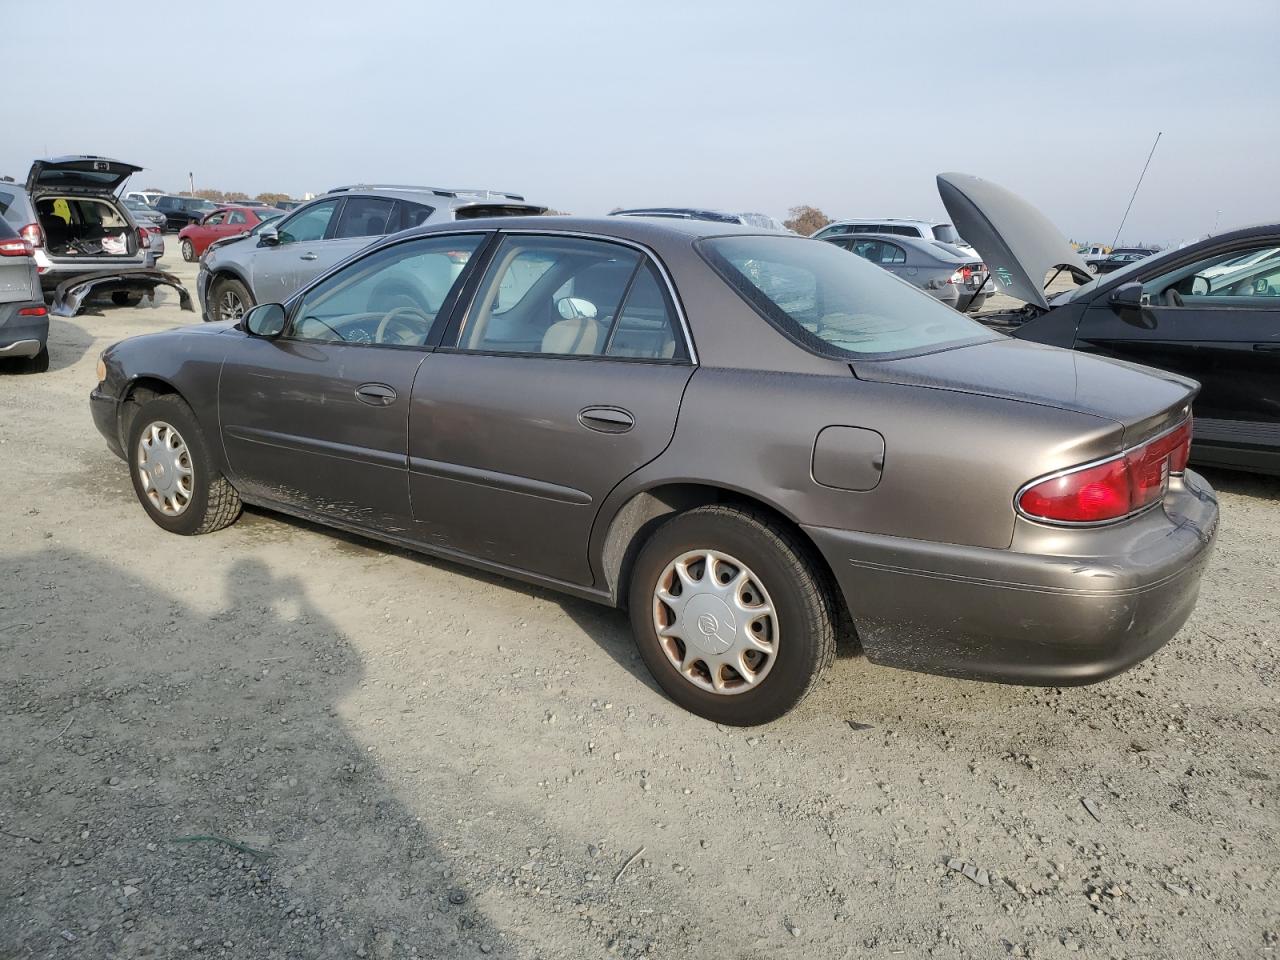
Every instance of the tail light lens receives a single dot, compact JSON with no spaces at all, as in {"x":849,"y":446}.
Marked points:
{"x":17,"y":247}
{"x":33,"y":312}
{"x":1114,"y":488}
{"x":33,"y":235}
{"x":144,"y":237}
{"x":957,"y":277}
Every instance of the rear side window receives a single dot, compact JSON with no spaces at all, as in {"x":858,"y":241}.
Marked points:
{"x":565,"y":296}
{"x":832,"y":304}
{"x":364,"y":217}
{"x":413,"y":214}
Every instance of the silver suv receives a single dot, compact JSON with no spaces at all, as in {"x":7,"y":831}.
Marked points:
{"x":272,"y":263}
{"x":69,"y":213}
{"x":925,"y":229}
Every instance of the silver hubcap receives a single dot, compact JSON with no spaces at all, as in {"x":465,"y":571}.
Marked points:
{"x":164,"y":466}
{"x":715,"y":622}
{"x":230,"y":307}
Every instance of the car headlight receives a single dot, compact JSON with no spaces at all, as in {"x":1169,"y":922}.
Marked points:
{"x":102,"y":368}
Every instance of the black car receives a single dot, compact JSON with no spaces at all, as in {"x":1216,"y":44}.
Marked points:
{"x":1121,"y":258}
{"x":183,"y":211}
{"x":1210,"y":311}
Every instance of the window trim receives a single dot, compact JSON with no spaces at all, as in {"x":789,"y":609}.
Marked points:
{"x":452,"y":336}
{"x":443,"y":318}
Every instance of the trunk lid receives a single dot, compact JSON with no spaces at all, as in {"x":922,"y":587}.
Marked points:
{"x":82,"y":174}
{"x":1143,"y":400}
{"x":1018,"y":243}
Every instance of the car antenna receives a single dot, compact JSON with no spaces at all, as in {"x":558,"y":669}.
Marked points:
{"x":1159,"y":134}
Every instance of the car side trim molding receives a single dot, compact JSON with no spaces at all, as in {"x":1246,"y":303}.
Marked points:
{"x":325,"y":448}
{"x":526,"y":486}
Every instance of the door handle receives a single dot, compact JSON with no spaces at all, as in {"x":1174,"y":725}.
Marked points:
{"x":606,"y":419}
{"x":307,"y":256}
{"x":1267,"y":347}
{"x":375,"y":394}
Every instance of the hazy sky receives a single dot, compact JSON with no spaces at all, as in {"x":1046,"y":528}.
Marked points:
{"x":851,"y":106}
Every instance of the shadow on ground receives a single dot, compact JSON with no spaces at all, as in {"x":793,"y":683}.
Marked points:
{"x":144,"y":722}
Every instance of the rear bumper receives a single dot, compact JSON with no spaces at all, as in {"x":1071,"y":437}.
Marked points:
{"x":1113,"y":596}
{"x":22,"y":336}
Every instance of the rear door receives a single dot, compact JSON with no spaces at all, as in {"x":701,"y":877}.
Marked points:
{"x":565,"y":376}
{"x":1215,"y":324}
{"x":316,"y":419}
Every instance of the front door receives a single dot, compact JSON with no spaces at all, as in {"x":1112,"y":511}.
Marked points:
{"x":565,"y":377}
{"x":1216,"y":320}
{"x":316,"y":419}
{"x":275,"y":269}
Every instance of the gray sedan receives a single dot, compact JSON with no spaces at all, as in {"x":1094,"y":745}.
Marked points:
{"x":957,"y":278}
{"x":756,"y":444}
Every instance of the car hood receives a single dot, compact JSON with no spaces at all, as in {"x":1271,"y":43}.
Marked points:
{"x":1017,"y":242}
{"x":84,"y":173}
{"x":1144,"y":400}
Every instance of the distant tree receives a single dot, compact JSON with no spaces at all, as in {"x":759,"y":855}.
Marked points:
{"x":207,"y":194}
{"x":272,"y":197}
{"x":153,"y":190}
{"x":235,"y":195}
{"x":805,"y":220}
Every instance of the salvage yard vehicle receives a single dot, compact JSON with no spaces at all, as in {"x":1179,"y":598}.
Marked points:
{"x":752,"y":441}
{"x":1208,"y":311}
{"x":278,"y":260}
{"x":897,"y":226}
{"x":1118,"y":260}
{"x":957,"y":278}
{"x":180,"y":212}
{"x":77,"y":227}
{"x":24,"y":318}
{"x":228,"y":221}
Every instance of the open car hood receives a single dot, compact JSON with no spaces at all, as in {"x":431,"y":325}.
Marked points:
{"x":1018,"y":243}
{"x":95,"y":174}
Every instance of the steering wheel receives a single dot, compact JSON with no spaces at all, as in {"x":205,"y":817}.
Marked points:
{"x":395,"y":314}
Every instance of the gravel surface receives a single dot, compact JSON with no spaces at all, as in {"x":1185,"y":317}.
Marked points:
{"x":412,"y":759}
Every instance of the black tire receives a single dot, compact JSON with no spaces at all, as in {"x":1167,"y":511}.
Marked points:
{"x":123,"y":298}
{"x":230,"y":286}
{"x":801,"y":592}
{"x":37,"y":364}
{"x":188,"y":251}
{"x":213,"y":503}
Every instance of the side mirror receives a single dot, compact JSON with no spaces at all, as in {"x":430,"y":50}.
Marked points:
{"x":266,"y":320}
{"x":268,"y":237}
{"x":1127,"y":295}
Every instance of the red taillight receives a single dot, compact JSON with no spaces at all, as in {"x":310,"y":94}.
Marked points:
{"x":1112,"y":489}
{"x":144,"y":237}
{"x":956,"y":277}
{"x":33,"y":311}
{"x":17,"y":247}
{"x":33,"y":235}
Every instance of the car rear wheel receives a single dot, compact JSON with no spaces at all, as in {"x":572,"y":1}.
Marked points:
{"x":231,"y":300}
{"x":733,"y":617}
{"x":173,"y":472}
{"x":188,"y":251}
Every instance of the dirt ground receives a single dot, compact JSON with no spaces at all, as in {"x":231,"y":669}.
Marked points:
{"x":421,"y":761}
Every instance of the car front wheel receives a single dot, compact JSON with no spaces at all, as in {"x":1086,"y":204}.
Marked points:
{"x":173,"y":473}
{"x":732,"y":614}
{"x":231,"y":300}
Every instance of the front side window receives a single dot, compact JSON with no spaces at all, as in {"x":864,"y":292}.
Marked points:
{"x":364,"y":217}
{"x":566,"y":296}
{"x":308,"y":225}
{"x":391,"y":297}
{"x":832,"y":304}
{"x":213,"y":219}
{"x":1222,"y":279}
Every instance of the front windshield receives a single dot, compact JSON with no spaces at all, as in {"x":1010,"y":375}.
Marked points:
{"x":835,"y":304}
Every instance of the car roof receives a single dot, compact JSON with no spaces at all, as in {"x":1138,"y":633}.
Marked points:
{"x":639,"y":229}
{"x":411,"y":192}
{"x":927,"y":223}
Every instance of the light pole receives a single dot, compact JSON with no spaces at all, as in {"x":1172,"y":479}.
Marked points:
{"x":191,"y":183}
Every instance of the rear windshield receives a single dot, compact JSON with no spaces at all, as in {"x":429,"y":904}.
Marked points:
{"x":834,"y":304}
{"x":945,"y":232}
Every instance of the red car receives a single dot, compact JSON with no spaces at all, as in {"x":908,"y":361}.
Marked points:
{"x":223,"y":222}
